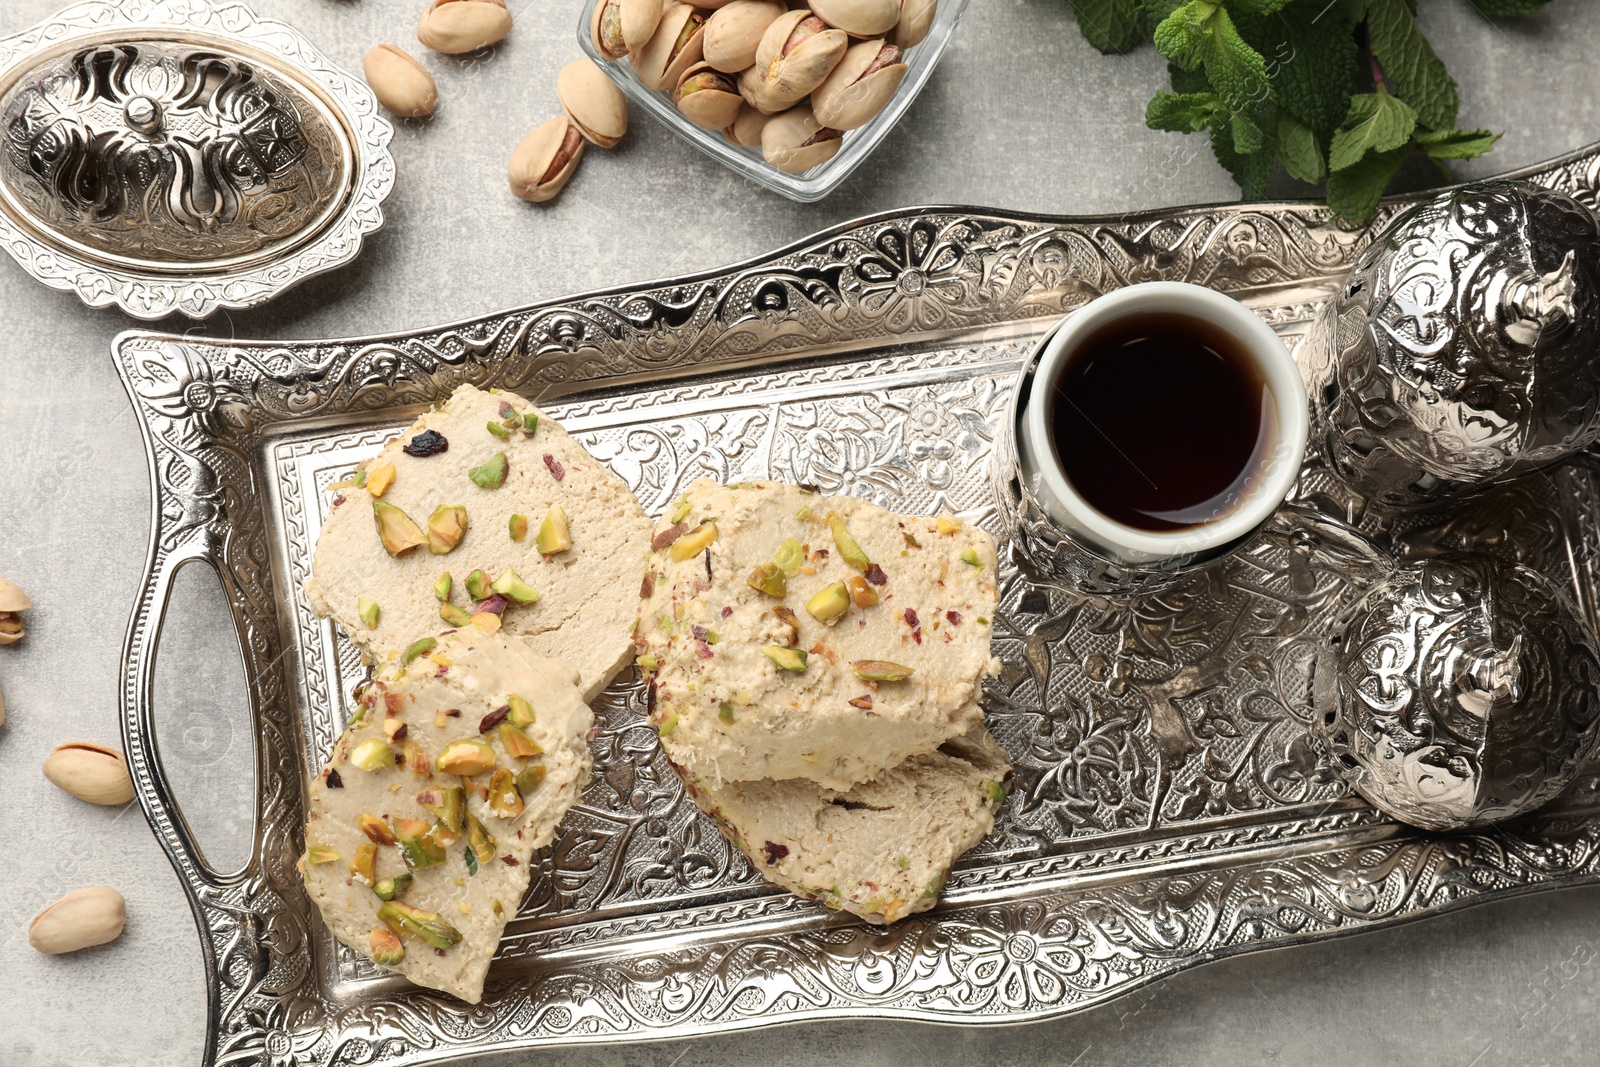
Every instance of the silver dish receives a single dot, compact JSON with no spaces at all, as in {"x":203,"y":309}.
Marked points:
{"x":182,"y":156}
{"x":1170,"y":807}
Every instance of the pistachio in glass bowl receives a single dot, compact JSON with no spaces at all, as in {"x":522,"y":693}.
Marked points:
{"x":793,"y":99}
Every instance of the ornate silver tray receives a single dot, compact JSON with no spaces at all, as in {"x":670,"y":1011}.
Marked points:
{"x":182,"y":155}
{"x":1169,"y":808}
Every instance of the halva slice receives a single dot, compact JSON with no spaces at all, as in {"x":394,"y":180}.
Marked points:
{"x":484,"y":504}
{"x":465,"y":753}
{"x":788,"y":634}
{"x":882,"y":849}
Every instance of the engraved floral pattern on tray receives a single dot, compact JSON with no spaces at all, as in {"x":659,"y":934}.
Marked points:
{"x":873,"y":360}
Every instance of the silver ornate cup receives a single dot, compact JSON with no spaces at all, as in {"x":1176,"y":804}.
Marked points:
{"x":1461,"y":350}
{"x":1059,"y":536}
{"x":1460,"y":690}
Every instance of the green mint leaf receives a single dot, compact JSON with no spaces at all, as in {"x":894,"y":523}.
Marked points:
{"x":1377,"y":122}
{"x":1188,"y":81}
{"x":1353,"y":193}
{"x":1415,"y":74}
{"x":1248,"y":138}
{"x":1300,"y":151}
{"x":1457,"y":144}
{"x":1152,"y":13}
{"x":1261,"y":7}
{"x":1250,"y":171}
{"x":1112,"y":26}
{"x":1201,"y":35}
{"x":1498,"y":8}
{"x":1316,"y":68}
{"x":1184,"y":112}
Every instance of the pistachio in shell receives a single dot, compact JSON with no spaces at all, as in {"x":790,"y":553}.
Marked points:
{"x":859,"y":18}
{"x":81,"y":919}
{"x":593,"y":102}
{"x":13,"y":602}
{"x":707,"y":97}
{"x":399,"y":82}
{"x":622,"y":27}
{"x":457,"y":26}
{"x":796,"y":54}
{"x":916,"y":19}
{"x":673,"y":49}
{"x":90,"y":772}
{"x":865,"y":80}
{"x":745,"y":129}
{"x":795,"y":141}
{"x":733,"y":34}
{"x":546,"y":159}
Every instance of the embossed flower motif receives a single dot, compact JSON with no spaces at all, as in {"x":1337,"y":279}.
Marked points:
{"x":1017,"y":956}
{"x":180,"y":383}
{"x":1085,"y":768}
{"x":930,"y":445}
{"x":858,"y":455}
{"x":270,"y":1038}
{"x":911,"y":278}
{"x":938,"y":431}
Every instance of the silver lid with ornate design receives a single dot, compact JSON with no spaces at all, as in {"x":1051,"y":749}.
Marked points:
{"x":1460,"y":352}
{"x":178,"y":155}
{"x":1461,"y":690}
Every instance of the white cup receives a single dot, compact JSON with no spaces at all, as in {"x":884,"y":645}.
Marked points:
{"x":1260,"y":493}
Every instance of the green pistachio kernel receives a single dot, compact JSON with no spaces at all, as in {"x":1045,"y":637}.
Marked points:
{"x":370,"y":612}
{"x":790,"y":659}
{"x":510,"y":584}
{"x":419,"y":647}
{"x":492,"y":474}
{"x":442,"y":587}
{"x":521,"y":713}
{"x":372,"y":755}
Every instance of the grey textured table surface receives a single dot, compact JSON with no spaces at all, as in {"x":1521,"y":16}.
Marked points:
{"x":1022,"y":115}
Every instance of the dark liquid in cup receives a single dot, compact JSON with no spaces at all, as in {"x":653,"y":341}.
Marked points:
{"x":1161,"y":421}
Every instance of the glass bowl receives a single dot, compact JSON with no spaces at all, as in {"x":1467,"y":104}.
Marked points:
{"x":820,"y":180}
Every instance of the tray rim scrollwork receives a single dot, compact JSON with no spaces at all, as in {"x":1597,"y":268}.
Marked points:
{"x":897,"y":281}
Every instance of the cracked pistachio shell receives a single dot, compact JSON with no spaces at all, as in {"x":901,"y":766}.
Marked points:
{"x":734,"y":33}
{"x":90,"y":772}
{"x":661,"y":62}
{"x":745,"y":130}
{"x":12,"y":598}
{"x":82,"y":918}
{"x":916,"y":19}
{"x":593,"y":102}
{"x":786,"y":79}
{"x":399,"y":82}
{"x":784,"y":141}
{"x":622,"y":27}
{"x":847,"y":99}
{"x":859,"y":18}
{"x":710,"y":107}
{"x":544,"y":162}
{"x":457,"y":26}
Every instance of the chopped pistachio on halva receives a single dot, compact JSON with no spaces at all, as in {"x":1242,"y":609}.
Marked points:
{"x":455,"y":769}
{"x":788,"y":634}
{"x":454,"y":494}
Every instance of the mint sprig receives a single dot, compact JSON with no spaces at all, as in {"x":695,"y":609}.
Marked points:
{"x":1340,"y":92}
